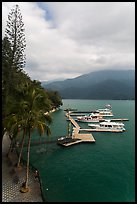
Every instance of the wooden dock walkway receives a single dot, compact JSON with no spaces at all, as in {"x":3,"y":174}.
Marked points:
{"x":73,"y":121}
{"x":82,"y":138}
{"x":119,"y":119}
{"x":76,"y":135}
{"x":77,"y":114}
{"x":100,"y":130}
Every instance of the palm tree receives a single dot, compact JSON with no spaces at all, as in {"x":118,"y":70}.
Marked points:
{"x":13,"y":121}
{"x":11,"y":124}
{"x":33,"y":118}
{"x":26,"y":115}
{"x":23,"y":107}
{"x":21,"y":149}
{"x":35,"y":121}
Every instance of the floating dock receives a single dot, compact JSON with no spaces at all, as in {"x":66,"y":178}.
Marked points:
{"x":81,"y":138}
{"x":76,"y":137}
{"x":100,"y":130}
{"x":77,"y":114}
{"x":86,"y":111}
{"x":119,"y":119}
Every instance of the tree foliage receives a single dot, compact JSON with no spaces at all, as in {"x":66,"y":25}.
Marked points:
{"x":16,"y":36}
{"x":55,"y":98}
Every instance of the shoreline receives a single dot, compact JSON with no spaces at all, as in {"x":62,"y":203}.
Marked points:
{"x":12,"y":178}
{"x":51,"y":111}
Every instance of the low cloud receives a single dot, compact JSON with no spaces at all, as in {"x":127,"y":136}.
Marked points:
{"x":67,"y":39}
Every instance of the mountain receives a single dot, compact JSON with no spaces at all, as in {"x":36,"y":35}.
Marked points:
{"x":105,"y":84}
{"x":44,"y":83}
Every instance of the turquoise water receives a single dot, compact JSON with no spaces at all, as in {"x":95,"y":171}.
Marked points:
{"x":103,"y":171}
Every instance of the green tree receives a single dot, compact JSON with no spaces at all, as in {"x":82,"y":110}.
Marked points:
{"x":55,"y":98}
{"x":13,"y":58}
{"x":14,"y":44}
{"x":15,"y":34}
{"x":11,"y":123}
{"x":27,"y":115}
{"x":42,"y":103}
{"x":35,"y":119}
{"x":6,"y":57}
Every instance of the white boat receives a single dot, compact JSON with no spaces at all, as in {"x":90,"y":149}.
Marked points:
{"x":108,"y":106}
{"x":61,"y":138}
{"x":96,"y":116}
{"x":93,"y":117}
{"x":108,"y":126}
{"x":104,"y":112}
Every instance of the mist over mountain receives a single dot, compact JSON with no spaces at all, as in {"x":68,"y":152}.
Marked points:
{"x":106,"y":84}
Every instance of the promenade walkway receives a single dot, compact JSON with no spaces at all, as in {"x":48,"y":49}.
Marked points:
{"x":12,"y":178}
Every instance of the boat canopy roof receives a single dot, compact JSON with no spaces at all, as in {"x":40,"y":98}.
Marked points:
{"x":111,"y":123}
{"x":104,"y":109}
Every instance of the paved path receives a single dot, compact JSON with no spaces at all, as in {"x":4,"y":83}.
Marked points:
{"x":13,"y":178}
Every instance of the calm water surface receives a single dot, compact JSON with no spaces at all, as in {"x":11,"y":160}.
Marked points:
{"x":103,"y":171}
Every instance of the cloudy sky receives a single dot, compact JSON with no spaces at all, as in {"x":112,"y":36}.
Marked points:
{"x":68,"y":39}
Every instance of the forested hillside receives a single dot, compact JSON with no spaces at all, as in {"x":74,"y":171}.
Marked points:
{"x":106,"y":84}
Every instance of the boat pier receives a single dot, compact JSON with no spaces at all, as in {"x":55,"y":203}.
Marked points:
{"x":119,"y":119}
{"x":100,"y":130}
{"x":76,"y":136}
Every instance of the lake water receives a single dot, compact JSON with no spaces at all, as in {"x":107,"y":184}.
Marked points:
{"x":103,"y":171}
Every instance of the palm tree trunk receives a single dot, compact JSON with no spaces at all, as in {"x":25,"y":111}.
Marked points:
{"x":22,"y":143}
{"x":28,"y":154}
{"x":11,"y":145}
{"x":10,"y":148}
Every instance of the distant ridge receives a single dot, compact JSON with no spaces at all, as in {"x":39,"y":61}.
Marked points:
{"x":105,"y":84}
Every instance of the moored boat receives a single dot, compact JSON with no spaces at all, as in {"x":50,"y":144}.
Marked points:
{"x":105,"y":112}
{"x":108,"y":106}
{"x":93,"y":117}
{"x":108,"y":126}
{"x":96,"y":116}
